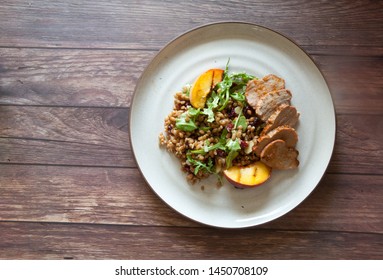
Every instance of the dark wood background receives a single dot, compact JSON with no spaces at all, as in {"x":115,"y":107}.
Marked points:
{"x":69,"y":186}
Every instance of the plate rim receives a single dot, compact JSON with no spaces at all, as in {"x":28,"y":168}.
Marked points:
{"x":178,"y":37}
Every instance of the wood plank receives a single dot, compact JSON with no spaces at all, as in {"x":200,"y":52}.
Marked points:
{"x":97,"y":126}
{"x":358,"y":146}
{"x":338,"y":201}
{"x":121,"y":196}
{"x":40,"y":241}
{"x":56,"y":135}
{"x":99,"y":137}
{"x":354,"y":82}
{"x":150,"y":24}
{"x":80,"y":195}
{"x":108,"y":77}
{"x":52,"y":152}
{"x":70,"y":77}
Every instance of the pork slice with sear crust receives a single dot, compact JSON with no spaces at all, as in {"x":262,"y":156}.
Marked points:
{"x":278,"y":155}
{"x":285,"y":133}
{"x":273,"y":82}
{"x":258,"y":87}
{"x":254,"y":91}
{"x":270,"y":102}
{"x":284,"y":115}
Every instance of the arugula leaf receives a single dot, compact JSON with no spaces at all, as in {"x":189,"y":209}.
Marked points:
{"x":207,"y":148}
{"x":238,"y":89}
{"x":233,"y":146}
{"x":242,"y":78}
{"x":184,"y":125}
{"x":230,"y":157}
{"x":209,"y":113}
{"x":224,"y":91}
{"x":240,"y":121}
{"x":192,"y":112}
{"x":223,"y":88}
{"x":238,"y":95}
{"x":199,"y":165}
{"x":222,"y":139}
{"x":233,"y":85}
{"x":211,"y":103}
{"x":204,"y":128}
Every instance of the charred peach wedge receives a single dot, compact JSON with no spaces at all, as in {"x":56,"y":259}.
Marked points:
{"x":203,"y":86}
{"x":248,"y":176}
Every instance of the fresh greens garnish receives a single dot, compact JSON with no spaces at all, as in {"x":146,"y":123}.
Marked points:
{"x":241,"y":79}
{"x":207,"y":148}
{"x":193,"y":112}
{"x":233,"y":147}
{"x":209,"y":113}
{"x":199,"y":165}
{"x":183,"y":124}
{"x":186,"y":121}
{"x":238,"y":95}
{"x":212,"y":103}
{"x":223,"y":88}
{"x":240,"y":121}
{"x":232,"y":85}
{"x":213,"y":100}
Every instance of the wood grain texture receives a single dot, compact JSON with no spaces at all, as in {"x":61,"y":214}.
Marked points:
{"x":150,"y":24}
{"x":69,"y":185}
{"x":358,"y":148}
{"x":65,"y":136}
{"x":99,"y":137}
{"x":108,"y":77}
{"x":70,"y":77}
{"x":40,"y":241}
{"x":121,"y":196}
{"x":355,"y":82}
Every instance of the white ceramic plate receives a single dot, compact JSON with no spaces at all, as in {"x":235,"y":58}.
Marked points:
{"x":255,"y":50}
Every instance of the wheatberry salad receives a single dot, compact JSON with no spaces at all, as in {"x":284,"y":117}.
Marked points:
{"x":234,"y":125}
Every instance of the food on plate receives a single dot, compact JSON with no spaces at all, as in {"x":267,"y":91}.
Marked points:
{"x":234,"y":125}
{"x":256,"y":88}
{"x":203,"y":86}
{"x":248,"y":176}
{"x":284,"y":115}
{"x":280,"y":156}
{"x":285,"y":133}
{"x":268,"y":102}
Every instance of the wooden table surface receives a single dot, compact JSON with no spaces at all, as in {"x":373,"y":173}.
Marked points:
{"x":69,"y":185}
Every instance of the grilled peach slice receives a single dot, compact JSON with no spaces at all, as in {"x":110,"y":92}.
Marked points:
{"x":248,"y":176}
{"x":203,"y":86}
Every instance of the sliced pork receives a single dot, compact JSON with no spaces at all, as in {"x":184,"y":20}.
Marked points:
{"x":270,"y":102}
{"x":284,"y":115}
{"x":256,"y":88}
{"x":279,"y":155}
{"x":273,"y":82}
{"x":285,"y":133}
